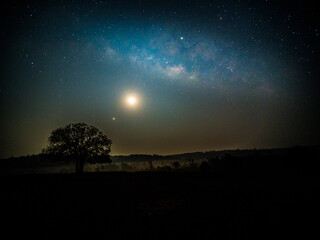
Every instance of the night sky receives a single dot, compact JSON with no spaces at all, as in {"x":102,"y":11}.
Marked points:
{"x":161,"y":77}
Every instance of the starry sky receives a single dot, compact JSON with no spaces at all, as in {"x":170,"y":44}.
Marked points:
{"x":206,"y":75}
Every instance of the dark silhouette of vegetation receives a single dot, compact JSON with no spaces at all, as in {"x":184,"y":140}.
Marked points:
{"x":151,"y":167}
{"x":204,"y":166}
{"x":294,"y":159}
{"x":176,"y":164}
{"x":164,"y":168}
{"x":192,"y":163}
{"x":78,"y":142}
{"x":125,"y":166}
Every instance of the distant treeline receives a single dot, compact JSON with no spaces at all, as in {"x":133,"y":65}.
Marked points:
{"x":244,"y":162}
{"x":297,"y":157}
{"x":278,"y":160}
{"x":215,"y":154}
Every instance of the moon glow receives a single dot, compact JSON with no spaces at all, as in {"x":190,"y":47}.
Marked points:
{"x":131,"y":100}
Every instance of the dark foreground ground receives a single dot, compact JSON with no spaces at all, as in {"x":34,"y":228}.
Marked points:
{"x":161,"y":205}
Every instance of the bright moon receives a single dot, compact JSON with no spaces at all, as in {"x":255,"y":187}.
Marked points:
{"x":131,"y":100}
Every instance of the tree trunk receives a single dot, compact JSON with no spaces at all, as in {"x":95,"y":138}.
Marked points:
{"x":81,"y":163}
{"x":77,"y":165}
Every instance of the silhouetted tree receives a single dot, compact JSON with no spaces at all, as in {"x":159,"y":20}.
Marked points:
{"x":191,"y":163}
{"x":204,"y":166}
{"x":79,"y":142}
{"x":150,"y":164}
{"x":176,"y":164}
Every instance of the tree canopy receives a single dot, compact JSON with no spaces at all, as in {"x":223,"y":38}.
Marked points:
{"x":79,"y":142}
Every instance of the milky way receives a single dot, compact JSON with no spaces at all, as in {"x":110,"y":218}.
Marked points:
{"x":209,"y":74}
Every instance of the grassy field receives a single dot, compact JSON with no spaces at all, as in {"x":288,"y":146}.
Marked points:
{"x":161,"y":205}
